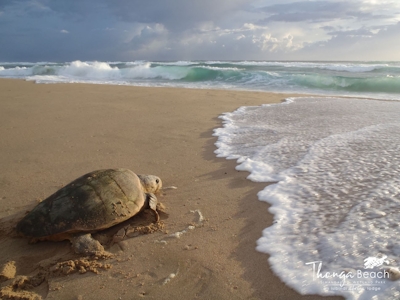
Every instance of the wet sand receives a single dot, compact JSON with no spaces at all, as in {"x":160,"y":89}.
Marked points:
{"x":54,"y":133}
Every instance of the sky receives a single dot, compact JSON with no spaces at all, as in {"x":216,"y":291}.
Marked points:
{"x":128,"y":30}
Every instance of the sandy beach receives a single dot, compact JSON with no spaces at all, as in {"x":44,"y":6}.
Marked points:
{"x":54,"y":133}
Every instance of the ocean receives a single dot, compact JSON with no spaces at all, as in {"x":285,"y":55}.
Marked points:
{"x":367,"y":79}
{"x":331,"y":165}
{"x":333,"y":170}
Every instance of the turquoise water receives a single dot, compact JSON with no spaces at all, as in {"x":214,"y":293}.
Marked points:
{"x":367,"y":79}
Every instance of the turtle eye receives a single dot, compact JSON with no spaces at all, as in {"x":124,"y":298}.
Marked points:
{"x":157,"y":181}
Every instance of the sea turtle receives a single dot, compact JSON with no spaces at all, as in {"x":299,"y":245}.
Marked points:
{"x":94,"y":201}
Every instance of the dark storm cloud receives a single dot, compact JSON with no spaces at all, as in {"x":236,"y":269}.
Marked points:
{"x":176,"y":15}
{"x":34,"y":30}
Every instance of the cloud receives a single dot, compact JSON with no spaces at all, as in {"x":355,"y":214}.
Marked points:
{"x":320,"y":11}
{"x":356,"y":45}
{"x":181,"y":29}
{"x":175,"y":15}
{"x":150,"y":37}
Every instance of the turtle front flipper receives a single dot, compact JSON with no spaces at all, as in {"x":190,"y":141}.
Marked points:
{"x":86,"y":244}
{"x":152,"y":201}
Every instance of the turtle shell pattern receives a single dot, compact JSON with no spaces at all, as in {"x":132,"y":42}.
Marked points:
{"x":94,"y":201}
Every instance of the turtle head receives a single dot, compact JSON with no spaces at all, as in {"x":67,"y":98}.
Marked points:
{"x":150,"y":183}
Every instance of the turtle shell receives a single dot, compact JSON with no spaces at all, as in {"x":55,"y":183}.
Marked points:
{"x":94,"y":201}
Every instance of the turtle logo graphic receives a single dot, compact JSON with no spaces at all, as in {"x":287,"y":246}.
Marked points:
{"x":372,"y":262}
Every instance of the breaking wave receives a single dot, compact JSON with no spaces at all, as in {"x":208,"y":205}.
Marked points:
{"x":350,"y":78}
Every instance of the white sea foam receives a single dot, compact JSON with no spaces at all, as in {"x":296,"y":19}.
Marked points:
{"x":219,"y":68}
{"x":178,"y":63}
{"x":135,"y":63}
{"x":351,"y":67}
{"x":336,"y":199}
{"x":93,"y":70}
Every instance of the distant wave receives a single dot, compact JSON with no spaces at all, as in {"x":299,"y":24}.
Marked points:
{"x":377,"y":79}
{"x":347,"y":67}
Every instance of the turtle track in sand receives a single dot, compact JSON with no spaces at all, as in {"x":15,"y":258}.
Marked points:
{"x":29,"y":274}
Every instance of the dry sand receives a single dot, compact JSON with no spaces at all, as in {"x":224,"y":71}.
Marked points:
{"x":51,"y":134}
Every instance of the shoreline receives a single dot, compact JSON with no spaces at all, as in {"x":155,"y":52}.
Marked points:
{"x":295,"y":94}
{"x":53,"y":133}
